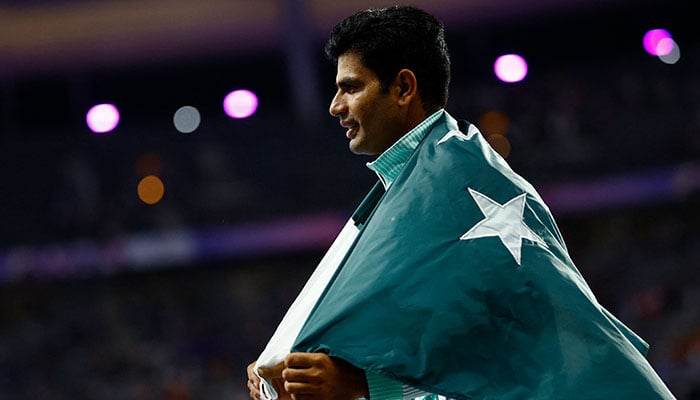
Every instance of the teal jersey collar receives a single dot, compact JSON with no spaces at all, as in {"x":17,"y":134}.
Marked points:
{"x":388,"y":165}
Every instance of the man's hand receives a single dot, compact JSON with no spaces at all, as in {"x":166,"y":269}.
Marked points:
{"x":273,"y":375}
{"x":317,"y":376}
{"x":311,"y":376}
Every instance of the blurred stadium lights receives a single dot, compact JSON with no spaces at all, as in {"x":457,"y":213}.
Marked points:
{"x":86,"y":258}
{"x":151,"y":189}
{"x":510,"y":68}
{"x":240,"y":103}
{"x":243,"y":103}
{"x":312,"y":232}
{"x":672,"y":53}
{"x":659,"y":42}
{"x":653,"y":39}
{"x":187,"y":119}
{"x":102,"y":118}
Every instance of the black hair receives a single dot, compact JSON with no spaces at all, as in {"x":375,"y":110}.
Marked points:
{"x":393,"y":38}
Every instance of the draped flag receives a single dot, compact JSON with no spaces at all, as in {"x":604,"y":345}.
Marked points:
{"x":460,"y":284}
{"x":283,"y":338}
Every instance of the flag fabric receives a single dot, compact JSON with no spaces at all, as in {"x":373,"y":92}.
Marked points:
{"x":283,"y":338}
{"x":460,"y":284}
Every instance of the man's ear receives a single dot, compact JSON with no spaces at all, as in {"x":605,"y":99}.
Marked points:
{"x":407,"y":86}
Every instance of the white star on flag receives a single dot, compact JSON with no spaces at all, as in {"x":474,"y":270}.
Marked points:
{"x":503,"y":220}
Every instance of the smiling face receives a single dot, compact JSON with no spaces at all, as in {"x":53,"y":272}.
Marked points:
{"x":374,"y":119}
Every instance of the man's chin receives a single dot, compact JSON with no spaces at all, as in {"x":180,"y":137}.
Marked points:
{"x":360,"y":151}
{"x":356,"y":146}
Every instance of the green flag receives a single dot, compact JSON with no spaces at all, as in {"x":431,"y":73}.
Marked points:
{"x":460,"y":284}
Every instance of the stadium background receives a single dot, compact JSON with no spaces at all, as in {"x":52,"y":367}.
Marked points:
{"x":103,"y":296}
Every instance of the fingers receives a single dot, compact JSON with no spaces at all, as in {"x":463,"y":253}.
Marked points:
{"x":253,"y":382}
{"x":311,"y":376}
{"x":303,"y":390}
{"x":272,"y":372}
{"x":306,"y":360}
{"x":272,"y":375}
{"x":320,"y":376}
{"x":296,"y":381}
{"x":302,"y":375}
{"x":252,"y":376}
{"x":254,"y":390}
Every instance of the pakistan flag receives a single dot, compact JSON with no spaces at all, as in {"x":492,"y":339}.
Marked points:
{"x":459,"y":283}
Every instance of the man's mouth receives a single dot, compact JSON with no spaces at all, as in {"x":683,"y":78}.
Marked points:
{"x":352,"y":129}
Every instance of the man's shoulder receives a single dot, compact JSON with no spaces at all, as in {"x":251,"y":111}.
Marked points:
{"x":447,"y":122}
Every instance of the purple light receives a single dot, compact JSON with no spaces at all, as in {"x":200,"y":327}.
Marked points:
{"x":102,"y":118}
{"x":510,"y":68}
{"x":655,"y":44}
{"x":240,"y":104}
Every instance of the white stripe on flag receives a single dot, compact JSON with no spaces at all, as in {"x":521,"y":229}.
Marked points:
{"x":282,"y":340}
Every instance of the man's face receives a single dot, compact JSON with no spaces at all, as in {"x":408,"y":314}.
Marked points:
{"x":372,"y":118}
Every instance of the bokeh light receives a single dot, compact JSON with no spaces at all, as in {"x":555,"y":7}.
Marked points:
{"x":673,"y":54}
{"x":494,"y":125}
{"x":186,"y":119}
{"x":501,"y":144}
{"x":494,"y":122}
{"x":653,"y":42}
{"x":102,"y":118}
{"x":149,"y":164}
{"x":240,"y":104}
{"x":510,"y":68}
{"x":151,"y":189}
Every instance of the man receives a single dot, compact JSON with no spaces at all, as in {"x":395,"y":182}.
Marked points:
{"x":453,"y":279}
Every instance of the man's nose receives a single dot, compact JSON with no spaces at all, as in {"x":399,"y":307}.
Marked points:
{"x":336,"y":108}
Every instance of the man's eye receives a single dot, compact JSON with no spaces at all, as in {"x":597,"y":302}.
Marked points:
{"x":348,"y":88}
